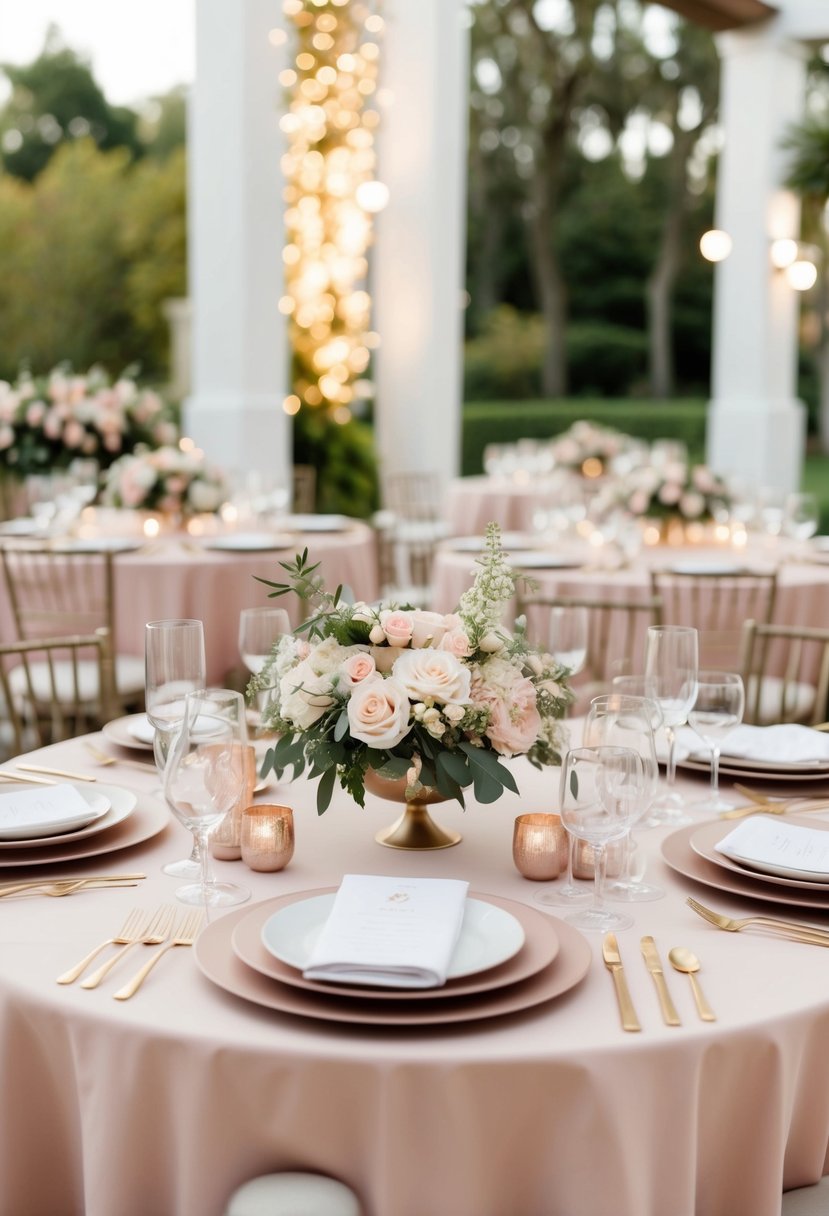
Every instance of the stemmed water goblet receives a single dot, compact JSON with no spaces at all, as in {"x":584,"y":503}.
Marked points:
{"x":619,"y":720}
{"x":202,"y":777}
{"x":671,"y":666}
{"x":801,"y":516}
{"x":174,"y":666}
{"x":718,"y":708}
{"x":259,"y":631}
{"x":602,"y":789}
{"x":568,"y":636}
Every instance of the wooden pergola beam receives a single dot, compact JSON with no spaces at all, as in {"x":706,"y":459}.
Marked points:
{"x":722,"y":14}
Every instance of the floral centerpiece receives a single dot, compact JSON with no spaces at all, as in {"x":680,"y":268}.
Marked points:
{"x":47,"y":422}
{"x":165,"y":479}
{"x":675,"y":490}
{"x":587,"y":448}
{"x":438,"y":700}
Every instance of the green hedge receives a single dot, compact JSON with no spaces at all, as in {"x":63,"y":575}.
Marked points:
{"x":505,"y":421}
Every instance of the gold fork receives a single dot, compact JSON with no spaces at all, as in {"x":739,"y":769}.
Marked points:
{"x":64,"y":886}
{"x":185,"y":936}
{"x":802,"y":933}
{"x":158,"y":930}
{"x":132,"y":927}
{"x":103,"y":758}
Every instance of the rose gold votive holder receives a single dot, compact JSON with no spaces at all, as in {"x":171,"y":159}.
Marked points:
{"x":226,"y":839}
{"x":539,"y":846}
{"x":583,"y":859}
{"x":267,"y":836}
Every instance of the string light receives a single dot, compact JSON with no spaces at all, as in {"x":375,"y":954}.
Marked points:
{"x":331,"y":195}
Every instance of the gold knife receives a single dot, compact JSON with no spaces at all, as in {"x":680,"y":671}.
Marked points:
{"x":654,"y":965}
{"x":54,"y":772}
{"x":613,"y":961}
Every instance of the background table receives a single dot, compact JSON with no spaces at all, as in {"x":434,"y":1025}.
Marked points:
{"x":166,"y":1103}
{"x":177,"y":576}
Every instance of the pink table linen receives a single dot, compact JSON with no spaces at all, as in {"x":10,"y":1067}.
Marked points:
{"x":167,"y":1102}
{"x":175,"y":577}
{"x":473,"y":502}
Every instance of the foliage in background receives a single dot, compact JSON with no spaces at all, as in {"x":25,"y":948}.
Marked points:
{"x":344,"y":458}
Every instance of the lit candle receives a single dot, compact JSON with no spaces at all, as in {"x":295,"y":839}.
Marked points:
{"x":539,"y":846}
{"x":267,"y":836}
{"x":151,"y":527}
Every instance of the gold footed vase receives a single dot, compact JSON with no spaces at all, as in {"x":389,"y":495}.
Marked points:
{"x":415,"y":829}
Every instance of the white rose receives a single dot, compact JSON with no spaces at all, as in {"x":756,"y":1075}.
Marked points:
{"x":427,"y":628}
{"x":432,"y":673}
{"x":304,"y":696}
{"x":378,"y":713}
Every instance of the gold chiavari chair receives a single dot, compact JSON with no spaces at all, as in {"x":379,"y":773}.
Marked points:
{"x":55,"y":688}
{"x":304,"y":497}
{"x":413,"y":527}
{"x":57,"y":592}
{"x":716,"y":604}
{"x":801,"y":692}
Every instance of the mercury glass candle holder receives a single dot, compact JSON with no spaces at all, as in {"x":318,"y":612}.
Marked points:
{"x":583,"y":859}
{"x":539,"y":846}
{"x":267,"y":836}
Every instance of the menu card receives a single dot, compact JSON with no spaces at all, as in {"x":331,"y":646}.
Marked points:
{"x":766,"y":841}
{"x":42,"y":807}
{"x":390,"y":932}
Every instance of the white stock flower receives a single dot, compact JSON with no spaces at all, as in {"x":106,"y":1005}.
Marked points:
{"x":304,"y":696}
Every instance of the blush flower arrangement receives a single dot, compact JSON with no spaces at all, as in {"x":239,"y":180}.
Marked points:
{"x":588,"y":447}
{"x":46,"y":422}
{"x":165,"y":479}
{"x":675,"y":490}
{"x":438,"y":699}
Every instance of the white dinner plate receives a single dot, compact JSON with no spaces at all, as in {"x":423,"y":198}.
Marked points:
{"x":248,"y":542}
{"x":704,"y":568}
{"x":24,"y":525}
{"x":120,"y":805}
{"x":735,"y":766}
{"x":538,"y":560}
{"x":99,"y":544}
{"x":510,"y":541}
{"x":121,"y":731}
{"x":488,"y":936}
{"x":317,"y":523}
{"x":36,"y":823}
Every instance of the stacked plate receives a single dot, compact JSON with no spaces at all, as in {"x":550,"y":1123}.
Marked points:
{"x":317,"y":523}
{"x":40,"y":826}
{"x":509,"y":958}
{"x":247,"y":542}
{"x":693,"y":852}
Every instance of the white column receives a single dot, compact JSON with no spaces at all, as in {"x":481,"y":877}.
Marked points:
{"x":418,"y":258}
{"x":756,"y":424}
{"x":240,"y":360}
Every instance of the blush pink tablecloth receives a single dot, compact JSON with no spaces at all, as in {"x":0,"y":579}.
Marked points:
{"x":176,"y":577}
{"x":166,"y":1103}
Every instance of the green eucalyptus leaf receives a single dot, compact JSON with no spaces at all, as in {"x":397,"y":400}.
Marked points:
{"x":325,"y":789}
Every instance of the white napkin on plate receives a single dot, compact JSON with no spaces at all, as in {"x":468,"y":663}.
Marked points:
{"x":766,"y":842}
{"x":786,"y":743}
{"x":391,"y":932}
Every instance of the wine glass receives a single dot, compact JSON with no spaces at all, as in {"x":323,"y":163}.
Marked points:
{"x":718,"y":708}
{"x":259,"y":631}
{"x":568,"y":645}
{"x":619,"y":720}
{"x":202,"y":777}
{"x":671,"y":665}
{"x":174,"y":665}
{"x":801,"y":516}
{"x":601,"y":790}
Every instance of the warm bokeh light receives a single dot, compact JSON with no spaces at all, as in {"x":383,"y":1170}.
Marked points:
{"x":801,"y":275}
{"x":715,"y":245}
{"x":783,"y":253}
{"x":331,"y":194}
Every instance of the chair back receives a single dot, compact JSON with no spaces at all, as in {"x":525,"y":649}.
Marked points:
{"x":56,"y":592}
{"x":304,"y":495}
{"x":615,"y":641}
{"x":414,"y":496}
{"x":716,"y":604}
{"x":47,"y":690}
{"x":785,"y":669}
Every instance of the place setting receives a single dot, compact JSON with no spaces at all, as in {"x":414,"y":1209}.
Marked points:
{"x":394,"y":952}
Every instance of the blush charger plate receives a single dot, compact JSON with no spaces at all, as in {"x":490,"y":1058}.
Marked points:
{"x":148,"y":819}
{"x":708,"y":835}
{"x":215,"y":957}
{"x":121,"y":802}
{"x":540,"y":947}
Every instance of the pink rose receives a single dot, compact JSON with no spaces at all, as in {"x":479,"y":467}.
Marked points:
{"x":427,"y":628}
{"x":357,"y":670}
{"x":73,"y":434}
{"x":432,"y":674}
{"x":378,"y":713}
{"x":515,"y":723}
{"x":397,"y":627}
{"x":456,"y":642}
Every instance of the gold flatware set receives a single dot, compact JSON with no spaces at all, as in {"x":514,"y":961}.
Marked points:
{"x":762,"y":804}
{"x":795,"y":931}
{"x":68,"y":885}
{"x":680,"y":958}
{"x":139,"y":928}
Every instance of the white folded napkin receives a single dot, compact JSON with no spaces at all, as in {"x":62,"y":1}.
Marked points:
{"x":28,"y":812}
{"x":786,"y":743}
{"x":390,"y":932}
{"x":768,"y":842}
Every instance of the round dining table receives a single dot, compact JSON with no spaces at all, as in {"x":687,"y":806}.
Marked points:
{"x":167,"y":1102}
{"x":212,"y":578}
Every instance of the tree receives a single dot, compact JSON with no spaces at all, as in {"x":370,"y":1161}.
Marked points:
{"x":55,"y":99}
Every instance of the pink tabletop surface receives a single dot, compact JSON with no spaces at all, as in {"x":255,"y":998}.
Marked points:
{"x":472,"y":502}
{"x":177,"y":577}
{"x":165,"y":1103}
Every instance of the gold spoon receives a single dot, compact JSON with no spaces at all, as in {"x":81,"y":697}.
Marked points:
{"x":685,"y":960}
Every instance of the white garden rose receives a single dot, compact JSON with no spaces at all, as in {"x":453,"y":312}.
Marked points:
{"x":427,"y":628}
{"x":304,"y":696}
{"x":435,"y":674}
{"x":378,"y":713}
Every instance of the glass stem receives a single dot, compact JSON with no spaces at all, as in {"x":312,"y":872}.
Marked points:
{"x":670,"y":774}
{"x":570,"y":885}
{"x":598,"y":877}
{"x":715,"y":770}
{"x":200,"y":836}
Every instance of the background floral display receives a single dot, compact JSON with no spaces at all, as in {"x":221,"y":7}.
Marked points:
{"x":47,"y":422}
{"x":437,"y":699}
{"x":165,"y":479}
